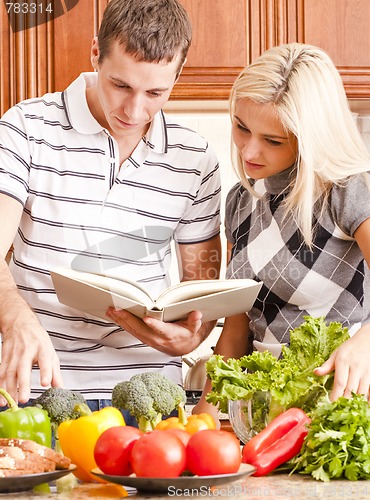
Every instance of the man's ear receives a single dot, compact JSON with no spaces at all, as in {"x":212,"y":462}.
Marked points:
{"x":94,"y":56}
{"x":180,"y":70}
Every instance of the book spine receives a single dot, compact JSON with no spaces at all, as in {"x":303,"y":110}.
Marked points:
{"x":155,"y":313}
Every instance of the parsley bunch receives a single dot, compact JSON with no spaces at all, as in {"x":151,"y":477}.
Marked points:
{"x":338,"y":441}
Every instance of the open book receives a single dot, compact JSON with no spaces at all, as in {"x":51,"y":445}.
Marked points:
{"x":93,"y":294}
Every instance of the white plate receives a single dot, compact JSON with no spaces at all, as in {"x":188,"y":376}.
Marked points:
{"x":160,"y":485}
{"x":29,"y":481}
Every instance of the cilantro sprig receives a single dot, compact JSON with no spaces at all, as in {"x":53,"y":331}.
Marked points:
{"x":338,"y":441}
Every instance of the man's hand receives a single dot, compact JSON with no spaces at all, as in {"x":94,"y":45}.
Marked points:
{"x":26,"y":345}
{"x":174,"y":339}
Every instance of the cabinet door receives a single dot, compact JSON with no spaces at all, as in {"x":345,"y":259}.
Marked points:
{"x":219,"y":48}
{"x":341,"y":28}
{"x":44,"y":51}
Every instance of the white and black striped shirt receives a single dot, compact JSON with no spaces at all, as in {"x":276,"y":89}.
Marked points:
{"x":82,"y":209}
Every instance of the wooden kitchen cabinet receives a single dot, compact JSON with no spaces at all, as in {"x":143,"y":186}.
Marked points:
{"x":228,"y":34}
{"x":341,"y":27}
{"x":219,"y":50}
{"x":49,"y":54}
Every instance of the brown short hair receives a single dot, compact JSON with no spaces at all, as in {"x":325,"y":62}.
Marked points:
{"x":150,"y":30}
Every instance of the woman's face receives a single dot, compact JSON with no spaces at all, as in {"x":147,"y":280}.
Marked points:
{"x":264,"y":146}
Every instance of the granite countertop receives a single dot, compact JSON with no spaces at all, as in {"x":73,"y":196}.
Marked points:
{"x":279,"y":486}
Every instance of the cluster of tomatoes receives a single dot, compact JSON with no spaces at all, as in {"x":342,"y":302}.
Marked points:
{"x":124,"y":450}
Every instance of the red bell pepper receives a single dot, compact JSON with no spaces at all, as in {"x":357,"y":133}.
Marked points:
{"x":279,"y":441}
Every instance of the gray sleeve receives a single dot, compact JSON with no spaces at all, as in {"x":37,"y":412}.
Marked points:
{"x":350,"y":203}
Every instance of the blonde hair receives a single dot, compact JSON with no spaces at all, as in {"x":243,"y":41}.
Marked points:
{"x":309,"y":98}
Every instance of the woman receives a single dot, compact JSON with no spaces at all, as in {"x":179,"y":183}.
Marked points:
{"x":299,"y":219}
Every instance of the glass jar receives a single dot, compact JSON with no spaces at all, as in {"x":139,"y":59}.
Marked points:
{"x":249,"y":416}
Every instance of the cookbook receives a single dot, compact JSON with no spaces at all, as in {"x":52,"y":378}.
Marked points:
{"x":94,"y":293}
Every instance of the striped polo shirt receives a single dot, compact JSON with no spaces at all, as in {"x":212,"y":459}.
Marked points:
{"x":84,"y":210}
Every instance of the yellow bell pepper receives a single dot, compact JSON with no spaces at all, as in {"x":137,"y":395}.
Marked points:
{"x":199,"y":422}
{"x":191,"y":424}
{"x":170,"y":423}
{"x":77,"y":438}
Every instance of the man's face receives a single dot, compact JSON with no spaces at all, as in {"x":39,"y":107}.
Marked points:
{"x":129,"y":93}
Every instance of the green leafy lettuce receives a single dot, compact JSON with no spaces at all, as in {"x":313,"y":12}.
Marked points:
{"x":289,"y":380}
{"x":338,"y":441}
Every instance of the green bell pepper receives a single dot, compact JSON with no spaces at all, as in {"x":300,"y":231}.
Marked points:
{"x":24,"y":423}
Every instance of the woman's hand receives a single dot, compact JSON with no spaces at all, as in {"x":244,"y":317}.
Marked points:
{"x":351,"y":364}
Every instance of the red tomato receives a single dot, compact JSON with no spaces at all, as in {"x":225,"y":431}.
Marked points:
{"x":182,"y":435}
{"x":158,"y":454}
{"x":212,"y":451}
{"x":113,"y":449}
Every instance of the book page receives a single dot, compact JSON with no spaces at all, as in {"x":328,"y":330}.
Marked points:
{"x":198,"y":288}
{"x":216,"y":305}
{"x":126,"y":288}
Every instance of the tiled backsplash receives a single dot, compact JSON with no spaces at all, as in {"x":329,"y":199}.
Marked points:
{"x":363,"y":120}
{"x":214,"y":125}
{"x":211,"y":120}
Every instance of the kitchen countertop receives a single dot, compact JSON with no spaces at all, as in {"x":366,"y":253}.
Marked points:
{"x":279,"y":486}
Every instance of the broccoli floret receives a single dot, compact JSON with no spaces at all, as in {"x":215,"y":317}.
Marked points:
{"x":148,"y":396}
{"x":61,"y":405}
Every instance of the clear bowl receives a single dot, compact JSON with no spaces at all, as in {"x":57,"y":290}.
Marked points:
{"x":249,"y":416}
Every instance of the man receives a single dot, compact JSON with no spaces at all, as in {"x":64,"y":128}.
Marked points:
{"x":96,"y":177}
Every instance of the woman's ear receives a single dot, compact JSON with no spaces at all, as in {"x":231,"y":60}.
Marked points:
{"x":94,"y":56}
